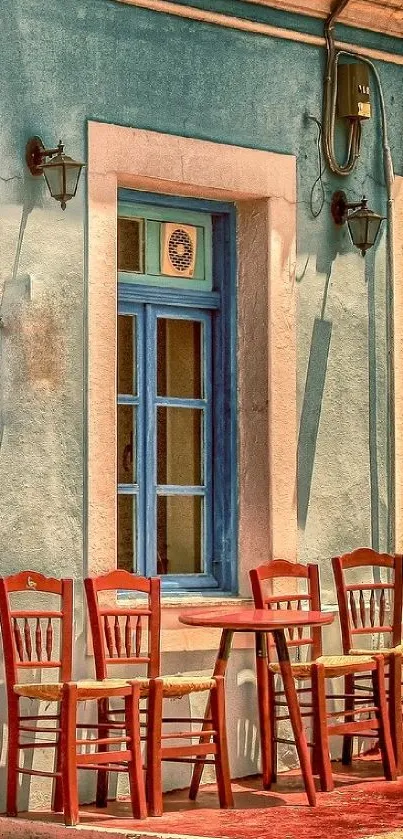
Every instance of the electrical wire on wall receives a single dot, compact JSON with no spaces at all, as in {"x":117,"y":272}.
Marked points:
{"x":316,"y":210}
{"x":353,"y":152}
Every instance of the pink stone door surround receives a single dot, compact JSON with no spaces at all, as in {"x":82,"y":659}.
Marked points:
{"x":263,"y":186}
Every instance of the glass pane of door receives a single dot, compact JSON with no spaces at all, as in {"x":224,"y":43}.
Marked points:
{"x":127,"y":385}
{"x":127,"y":532}
{"x":126,"y":455}
{"x":179,"y":358}
{"x":127,"y":367}
{"x":182,"y":415}
{"x":179,"y":446}
{"x":180,"y":534}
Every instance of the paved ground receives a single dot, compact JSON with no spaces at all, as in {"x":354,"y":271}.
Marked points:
{"x":362,"y":806}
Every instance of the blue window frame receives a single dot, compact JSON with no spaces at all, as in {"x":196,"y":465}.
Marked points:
{"x":196,"y":480}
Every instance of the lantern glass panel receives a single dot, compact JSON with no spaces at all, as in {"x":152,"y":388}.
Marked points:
{"x":54,"y":179}
{"x":357,"y":226}
{"x":72,"y":175}
{"x":373,"y":229}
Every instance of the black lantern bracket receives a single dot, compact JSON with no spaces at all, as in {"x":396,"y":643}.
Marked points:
{"x":363,"y":224}
{"x":61,"y":172}
{"x":340,"y":206}
{"x":36,"y":154}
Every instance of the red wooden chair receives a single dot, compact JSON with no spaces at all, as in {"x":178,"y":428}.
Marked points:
{"x":113,"y":629}
{"x":41,"y":640}
{"x":373,"y":609}
{"x":316,"y":670}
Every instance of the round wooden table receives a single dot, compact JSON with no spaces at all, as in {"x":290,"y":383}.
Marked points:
{"x":261,"y":621}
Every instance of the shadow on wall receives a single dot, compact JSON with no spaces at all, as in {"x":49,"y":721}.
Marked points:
{"x":312,"y":402}
{"x":313,"y":397}
{"x":311,"y":409}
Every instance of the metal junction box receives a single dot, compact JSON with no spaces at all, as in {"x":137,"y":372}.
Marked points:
{"x":353,"y":91}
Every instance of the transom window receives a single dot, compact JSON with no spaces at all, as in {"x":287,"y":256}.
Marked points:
{"x":176,"y":466}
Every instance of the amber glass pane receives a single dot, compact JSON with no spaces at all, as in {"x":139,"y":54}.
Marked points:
{"x":126,"y":454}
{"x":127,"y":532}
{"x":126,"y":383}
{"x":179,"y":446}
{"x":179,"y":534}
{"x":179,"y":366}
{"x":130,"y":244}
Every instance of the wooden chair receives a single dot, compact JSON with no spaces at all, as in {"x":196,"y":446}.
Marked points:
{"x":316,"y":670}
{"x":113,"y":629}
{"x":40,"y":640}
{"x":373,"y":609}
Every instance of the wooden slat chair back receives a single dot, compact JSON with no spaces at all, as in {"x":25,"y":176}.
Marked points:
{"x":303,"y":592}
{"x":316,"y":670}
{"x":40,"y":640}
{"x":373,"y":611}
{"x":369,"y":608}
{"x":34,"y":640}
{"x":129,"y":635}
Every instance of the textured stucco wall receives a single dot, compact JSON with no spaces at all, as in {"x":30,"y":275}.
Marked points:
{"x":86,"y":59}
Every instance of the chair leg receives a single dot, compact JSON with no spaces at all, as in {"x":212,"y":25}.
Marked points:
{"x":395,"y":708}
{"x":135,"y":766}
{"x":12,"y":757}
{"x":320,"y":729}
{"x":385,"y":740}
{"x":57,"y":796}
{"x":347,"y":753}
{"x":272,"y":758}
{"x":154,"y":748}
{"x":102,"y":776}
{"x":69,"y":754}
{"x":217,"y":699}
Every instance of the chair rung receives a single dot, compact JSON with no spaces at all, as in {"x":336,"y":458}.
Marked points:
{"x":113,"y":767}
{"x":39,"y":773}
{"x":188,"y":751}
{"x":353,"y":727}
{"x":102,"y":758}
{"x":189,"y":760}
{"x":42,"y":745}
{"x":352,"y":712}
{"x":304,"y":714}
{"x":31,"y":717}
{"x":36,"y":729}
{"x":103,"y":741}
{"x":188,"y":735}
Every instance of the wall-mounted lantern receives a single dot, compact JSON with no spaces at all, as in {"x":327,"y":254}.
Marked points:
{"x":363,"y":224}
{"x":61,"y":172}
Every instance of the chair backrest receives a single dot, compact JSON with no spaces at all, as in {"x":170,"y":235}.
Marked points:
{"x":119,"y":633}
{"x":36,"y":638}
{"x":369,"y":608}
{"x":262,"y":579}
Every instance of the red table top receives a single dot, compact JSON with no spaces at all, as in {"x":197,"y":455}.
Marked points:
{"x":255,"y":620}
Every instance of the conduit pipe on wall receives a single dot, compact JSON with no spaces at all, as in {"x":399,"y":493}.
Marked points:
{"x":329,"y":104}
{"x":256,"y":28}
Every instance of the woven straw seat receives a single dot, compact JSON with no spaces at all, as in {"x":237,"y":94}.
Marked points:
{"x":176,"y":686}
{"x":385,"y":651}
{"x":335,"y":665}
{"x":87,"y":689}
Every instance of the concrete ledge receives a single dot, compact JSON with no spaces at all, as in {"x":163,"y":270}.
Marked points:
{"x":28,"y":829}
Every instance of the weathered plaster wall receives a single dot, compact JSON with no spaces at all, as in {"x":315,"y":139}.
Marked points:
{"x":90,"y":59}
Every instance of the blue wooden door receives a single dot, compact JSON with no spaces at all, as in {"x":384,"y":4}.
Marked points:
{"x":176,"y":382}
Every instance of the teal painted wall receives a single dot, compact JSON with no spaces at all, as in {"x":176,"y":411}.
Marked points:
{"x":63,"y":64}
{"x":116,"y":63}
